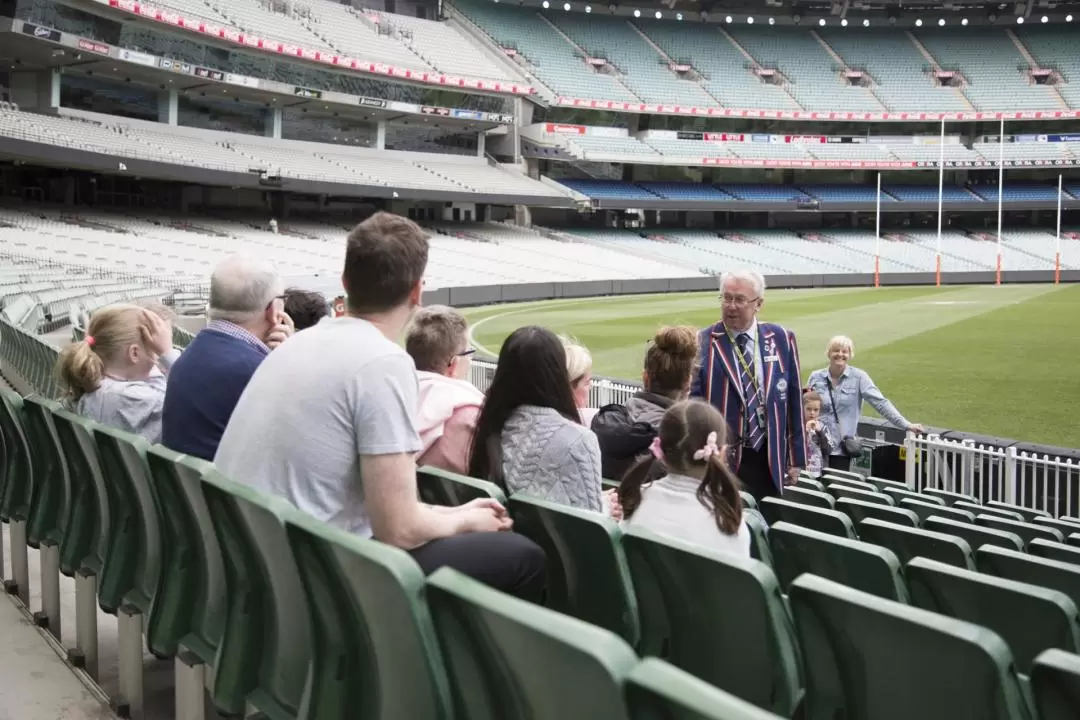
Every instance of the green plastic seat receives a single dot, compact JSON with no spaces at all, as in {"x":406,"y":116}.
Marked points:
{"x":442,"y":487}
{"x":987,"y":510}
{"x":900,"y":494}
{"x":1065,"y":527}
{"x":830,"y":521}
{"x":949,"y":497}
{"x":1054,"y":551}
{"x":908,"y":543}
{"x":843,"y":475}
{"x":759,"y":537}
{"x":863,"y":566}
{"x":1055,"y":684}
{"x":926,"y":510}
{"x":16,"y":489}
{"x":373,"y":646}
{"x":1021,"y":567}
{"x":587,"y":573}
{"x":866,"y":657}
{"x":656,"y":690}
{"x":859,"y":510}
{"x":132,"y":570}
{"x":720,"y":618}
{"x":748,"y":500}
{"x":1028,"y":618}
{"x":1073,"y":539}
{"x":870,"y":496}
{"x":809,"y":484}
{"x":511,"y":660}
{"x":976,"y":535}
{"x":1028,"y":514}
{"x":812,"y":498}
{"x":831,"y":483}
{"x":189,"y":609}
{"x":51,"y":489}
{"x":264,"y":658}
{"x":882,"y":483}
{"x":87,"y":522}
{"x":1026,"y":531}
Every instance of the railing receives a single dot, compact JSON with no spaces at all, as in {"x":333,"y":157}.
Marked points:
{"x":603,"y":391}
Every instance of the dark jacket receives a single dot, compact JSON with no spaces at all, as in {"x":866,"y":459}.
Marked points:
{"x":626,"y":431}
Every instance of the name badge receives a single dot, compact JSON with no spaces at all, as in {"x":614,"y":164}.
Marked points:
{"x":771,"y":358}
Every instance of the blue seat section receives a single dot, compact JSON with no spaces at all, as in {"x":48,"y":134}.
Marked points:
{"x":685,"y":191}
{"x":765,"y":193}
{"x":1014,"y":192}
{"x":844,"y":193}
{"x":613,"y":189}
{"x":929,"y":193}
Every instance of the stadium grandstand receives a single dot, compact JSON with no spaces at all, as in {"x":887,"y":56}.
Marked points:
{"x":571,"y":158}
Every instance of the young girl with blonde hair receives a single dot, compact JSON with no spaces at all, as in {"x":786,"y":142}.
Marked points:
{"x":110,"y":374}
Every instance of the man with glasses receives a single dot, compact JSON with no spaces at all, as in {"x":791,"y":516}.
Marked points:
{"x":438,"y":341}
{"x":749,"y":370}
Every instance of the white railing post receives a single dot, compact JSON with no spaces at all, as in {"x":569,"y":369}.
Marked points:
{"x":911,"y":460}
{"x":1012,"y":476}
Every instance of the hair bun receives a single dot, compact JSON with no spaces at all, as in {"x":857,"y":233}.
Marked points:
{"x":680,"y":340}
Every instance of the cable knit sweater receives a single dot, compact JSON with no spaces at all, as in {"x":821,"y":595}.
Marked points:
{"x":548,"y":457}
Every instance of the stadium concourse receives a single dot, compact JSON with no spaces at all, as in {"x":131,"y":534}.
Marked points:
{"x":593,"y":168}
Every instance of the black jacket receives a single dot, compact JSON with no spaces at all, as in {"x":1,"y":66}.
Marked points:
{"x":625,"y":433}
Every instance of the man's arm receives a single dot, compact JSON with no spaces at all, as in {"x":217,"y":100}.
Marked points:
{"x":796,"y":423}
{"x":699,"y":381}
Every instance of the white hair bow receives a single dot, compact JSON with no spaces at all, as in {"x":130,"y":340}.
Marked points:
{"x":709,"y":450}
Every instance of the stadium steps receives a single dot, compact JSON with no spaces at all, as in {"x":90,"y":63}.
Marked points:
{"x":1033,"y":63}
{"x":840,"y":61}
{"x":850,"y":247}
{"x":937,"y":66}
{"x":668,"y":59}
{"x":584,"y":54}
{"x":753,"y":61}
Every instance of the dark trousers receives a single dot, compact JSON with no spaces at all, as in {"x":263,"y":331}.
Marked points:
{"x":754,"y":473}
{"x":506,"y":561}
{"x":840,"y":462}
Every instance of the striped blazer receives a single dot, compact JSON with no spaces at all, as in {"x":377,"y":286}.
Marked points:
{"x":717,"y":381}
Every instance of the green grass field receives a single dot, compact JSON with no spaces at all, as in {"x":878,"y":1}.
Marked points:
{"x":999,"y":361}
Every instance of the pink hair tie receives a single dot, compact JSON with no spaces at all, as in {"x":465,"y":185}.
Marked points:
{"x":709,"y":450}
{"x":90,"y":340}
{"x":656,"y":450}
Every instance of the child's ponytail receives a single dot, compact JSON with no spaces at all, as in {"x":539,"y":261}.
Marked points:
{"x":719,"y":491}
{"x":80,"y":369}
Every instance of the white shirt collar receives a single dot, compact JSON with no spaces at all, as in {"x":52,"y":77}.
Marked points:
{"x":751,"y":331}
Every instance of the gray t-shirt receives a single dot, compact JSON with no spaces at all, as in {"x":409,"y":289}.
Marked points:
{"x":318,"y":402}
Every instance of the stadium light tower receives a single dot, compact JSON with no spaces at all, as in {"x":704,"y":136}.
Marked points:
{"x":940,"y":198}
{"x":1001,"y":193}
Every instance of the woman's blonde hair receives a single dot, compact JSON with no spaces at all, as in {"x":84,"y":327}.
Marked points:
{"x":578,"y":360}
{"x":81,"y":365}
{"x":841,"y":341}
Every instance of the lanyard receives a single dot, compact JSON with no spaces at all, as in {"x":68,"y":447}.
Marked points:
{"x":750,"y":373}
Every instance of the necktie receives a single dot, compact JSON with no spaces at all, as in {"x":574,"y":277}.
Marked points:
{"x":755,"y":433}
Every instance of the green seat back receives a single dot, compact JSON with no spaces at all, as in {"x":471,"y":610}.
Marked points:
{"x":1054,"y":551}
{"x":656,"y":690}
{"x":926,"y":510}
{"x":1028,"y":514}
{"x":87,"y":523}
{"x":908,"y":543}
{"x":1073,"y":539}
{"x":1014,"y":565}
{"x":1028,"y":618}
{"x":949,"y":497}
{"x":511,"y":660}
{"x":718,"y":617}
{"x":189,"y":608}
{"x":900,"y":494}
{"x":863,"y":566}
{"x":866,"y":657}
{"x":813,"y":498}
{"x":17,"y":484}
{"x":1055,"y":683}
{"x":871,"y":496}
{"x":442,"y":487}
{"x":132,"y":569}
{"x":1025,"y":531}
{"x":51,"y":486}
{"x":833,"y":484}
{"x":977,"y":509}
{"x":976,"y":535}
{"x":587,"y":573}
{"x":809,"y":484}
{"x":374,"y":653}
{"x":759,"y":537}
{"x":882,"y":483}
{"x":830,"y":521}
{"x":843,"y":475}
{"x":264,"y":657}
{"x":858,"y":510}
{"x":749,"y":501}
{"x":1065,"y":527}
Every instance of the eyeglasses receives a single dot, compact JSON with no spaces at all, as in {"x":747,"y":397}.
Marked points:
{"x":737,"y":301}
{"x":467,"y":352}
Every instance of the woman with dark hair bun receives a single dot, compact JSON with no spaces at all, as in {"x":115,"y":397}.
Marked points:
{"x":529,"y":438}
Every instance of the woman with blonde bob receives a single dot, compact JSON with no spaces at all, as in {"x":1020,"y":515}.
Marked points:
{"x":116,"y":375}
{"x":843,"y":388}
{"x":579,"y":368}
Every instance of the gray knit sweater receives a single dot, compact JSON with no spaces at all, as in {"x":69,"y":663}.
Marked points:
{"x":548,"y":457}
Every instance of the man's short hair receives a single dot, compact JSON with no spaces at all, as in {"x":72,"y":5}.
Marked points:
{"x":385,"y":258}
{"x":434,"y":336}
{"x":756,"y":279}
{"x":241,"y":287}
{"x":305,"y":307}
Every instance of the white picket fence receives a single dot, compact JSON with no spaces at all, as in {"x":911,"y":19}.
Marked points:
{"x":1040,"y":482}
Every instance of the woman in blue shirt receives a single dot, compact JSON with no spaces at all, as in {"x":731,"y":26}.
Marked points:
{"x":844,"y":388}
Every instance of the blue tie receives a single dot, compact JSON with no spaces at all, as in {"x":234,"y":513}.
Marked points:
{"x":755,"y":434}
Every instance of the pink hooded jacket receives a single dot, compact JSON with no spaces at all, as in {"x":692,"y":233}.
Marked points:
{"x":446,"y":420}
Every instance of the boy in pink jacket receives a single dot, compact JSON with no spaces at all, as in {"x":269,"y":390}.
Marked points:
{"x":437,"y":339}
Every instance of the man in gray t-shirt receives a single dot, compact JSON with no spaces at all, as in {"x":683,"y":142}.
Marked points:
{"x":328,"y":423}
